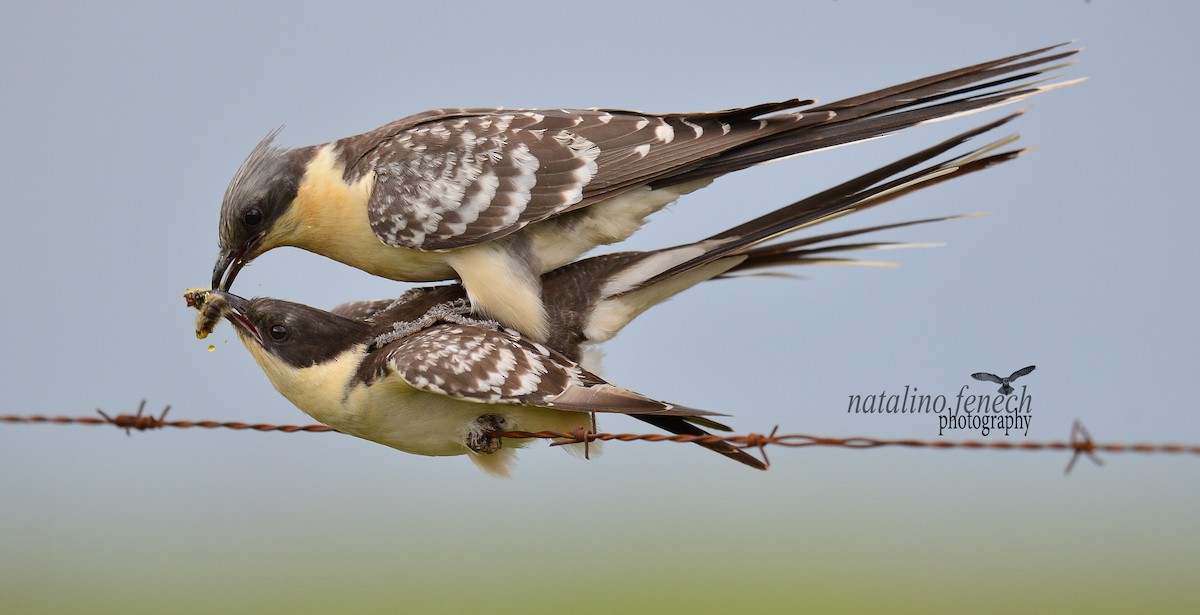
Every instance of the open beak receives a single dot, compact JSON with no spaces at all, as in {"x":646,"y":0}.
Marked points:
{"x":238,"y":314}
{"x":230,"y":262}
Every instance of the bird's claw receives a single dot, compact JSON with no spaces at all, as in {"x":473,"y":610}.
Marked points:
{"x":482,"y":436}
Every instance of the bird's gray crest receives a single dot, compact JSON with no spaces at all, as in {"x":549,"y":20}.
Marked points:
{"x":253,"y":180}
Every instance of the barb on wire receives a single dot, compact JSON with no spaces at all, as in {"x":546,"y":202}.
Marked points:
{"x":1080,"y":442}
{"x":137,"y":421}
{"x":143,"y":422}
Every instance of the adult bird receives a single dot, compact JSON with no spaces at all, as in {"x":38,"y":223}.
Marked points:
{"x":495,"y":198}
{"x":423,"y":375}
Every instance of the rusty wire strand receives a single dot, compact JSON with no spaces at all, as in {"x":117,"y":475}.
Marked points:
{"x":1080,"y":442}
{"x":142,"y":422}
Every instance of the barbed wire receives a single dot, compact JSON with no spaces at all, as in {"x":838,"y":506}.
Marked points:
{"x":1080,"y":442}
{"x":145,"y":422}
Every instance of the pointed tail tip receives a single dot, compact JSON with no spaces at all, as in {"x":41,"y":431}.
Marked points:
{"x":974,"y":214}
{"x":755,"y":462}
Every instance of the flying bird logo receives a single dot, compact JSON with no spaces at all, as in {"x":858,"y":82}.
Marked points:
{"x":1005,"y":383}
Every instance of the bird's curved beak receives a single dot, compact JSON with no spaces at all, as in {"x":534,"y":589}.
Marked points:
{"x":232,"y":261}
{"x":239,"y":315}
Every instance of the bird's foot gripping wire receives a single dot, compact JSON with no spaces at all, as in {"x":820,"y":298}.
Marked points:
{"x":482,"y":435}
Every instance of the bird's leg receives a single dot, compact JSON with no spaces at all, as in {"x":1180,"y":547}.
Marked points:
{"x":503,"y":281}
{"x":481,"y":435}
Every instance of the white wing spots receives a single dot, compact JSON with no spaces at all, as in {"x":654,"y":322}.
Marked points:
{"x":536,"y":117}
{"x":453,"y":181}
{"x":604,"y":119}
{"x":725,"y":128}
{"x":642,"y":123}
{"x":526,"y":165}
{"x":524,"y":159}
{"x":498,"y":363}
{"x":582,"y":149}
{"x":580,"y":146}
{"x":476,"y":364}
{"x":663,"y":132}
{"x":434,"y":185}
{"x":699,"y":130}
{"x":642,"y":150}
{"x":528,"y":379}
{"x":480,"y":196}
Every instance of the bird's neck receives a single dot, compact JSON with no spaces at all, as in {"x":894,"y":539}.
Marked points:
{"x":329,"y":216}
{"x":328,"y":212}
{"x":319,"y":390}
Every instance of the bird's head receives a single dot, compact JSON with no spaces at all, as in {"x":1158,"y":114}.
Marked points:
{"x":291,"y":334}
{"x":259,"y":195}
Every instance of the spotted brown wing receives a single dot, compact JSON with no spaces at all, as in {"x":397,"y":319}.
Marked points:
{"x":485,"y":365}
{"x":457,"y":181}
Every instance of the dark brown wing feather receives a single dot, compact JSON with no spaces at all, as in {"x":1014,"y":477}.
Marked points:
{"x":485,"y":365}
{"x":452,"y":178}
{"x":457,"y":181}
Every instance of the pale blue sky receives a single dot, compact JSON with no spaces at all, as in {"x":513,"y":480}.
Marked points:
{"x":123,"y":124}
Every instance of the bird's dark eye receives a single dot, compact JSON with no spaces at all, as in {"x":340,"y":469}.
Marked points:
{"x":279,"y":333}
{"x":253,"y":216}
